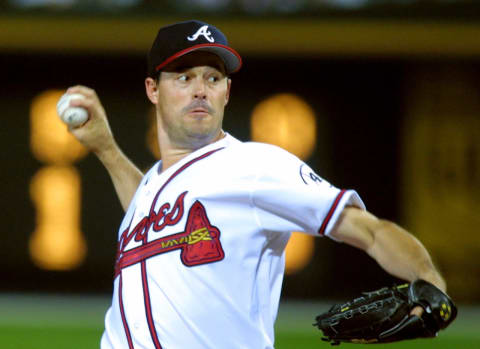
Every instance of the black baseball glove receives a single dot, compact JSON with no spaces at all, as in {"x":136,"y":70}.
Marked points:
{"x":384,"y":315}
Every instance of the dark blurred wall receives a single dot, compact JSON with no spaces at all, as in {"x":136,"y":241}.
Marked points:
{"x":360,"y":105}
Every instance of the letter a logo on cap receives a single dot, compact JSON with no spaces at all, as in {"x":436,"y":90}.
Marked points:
{"x":202,"y":31}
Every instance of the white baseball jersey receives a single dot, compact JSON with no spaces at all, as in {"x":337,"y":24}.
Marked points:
{"x":201,"y":248}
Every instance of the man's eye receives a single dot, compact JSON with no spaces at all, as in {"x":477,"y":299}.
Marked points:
{"x":183,"y":78}
{"x":213,"y":79}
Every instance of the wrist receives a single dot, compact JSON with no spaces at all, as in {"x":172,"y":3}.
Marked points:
{"x":107,"y":152}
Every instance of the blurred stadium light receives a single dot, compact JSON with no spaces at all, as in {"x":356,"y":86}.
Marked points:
{"x":287,"y":121}
{"x":49,"y":139}
{"x":57,"y":242}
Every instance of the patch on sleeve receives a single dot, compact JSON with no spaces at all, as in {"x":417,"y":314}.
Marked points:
{"x":309,"y":177}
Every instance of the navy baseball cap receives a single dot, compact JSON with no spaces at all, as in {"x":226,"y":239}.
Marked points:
{"x":176,"y":40}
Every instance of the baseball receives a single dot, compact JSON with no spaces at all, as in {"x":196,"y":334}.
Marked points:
{"x":72,"y":116}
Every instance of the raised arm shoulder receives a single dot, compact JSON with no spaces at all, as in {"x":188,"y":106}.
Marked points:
{"x":97,"y":136}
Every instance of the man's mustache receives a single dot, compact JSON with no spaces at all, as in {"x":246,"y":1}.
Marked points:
{"x":198,"y":104}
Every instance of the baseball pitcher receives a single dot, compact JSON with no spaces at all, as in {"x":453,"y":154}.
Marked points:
{"x":200,"y":257}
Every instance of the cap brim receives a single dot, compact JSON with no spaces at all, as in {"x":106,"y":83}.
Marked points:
{"x":230,"y":57}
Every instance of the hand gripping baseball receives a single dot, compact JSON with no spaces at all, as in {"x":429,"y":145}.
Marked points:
{"x":95,"y":134}
{"x":72,"y":116}
{"x":384,"y":315}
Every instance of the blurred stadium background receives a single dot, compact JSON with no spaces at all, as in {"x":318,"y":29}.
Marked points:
{"x":377,"y":95}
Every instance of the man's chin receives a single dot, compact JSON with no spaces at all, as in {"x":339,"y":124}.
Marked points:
{"x":198,"y":139}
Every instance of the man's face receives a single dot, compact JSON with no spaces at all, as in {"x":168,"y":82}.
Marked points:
{"x":193,"y":91}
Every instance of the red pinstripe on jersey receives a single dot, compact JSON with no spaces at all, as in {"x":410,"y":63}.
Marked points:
{"x":122,"y":312}
{"x":148,"y":306}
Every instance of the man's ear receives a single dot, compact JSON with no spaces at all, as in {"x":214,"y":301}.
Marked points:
{"x":151,"y":88}
{"x":227,"y":94}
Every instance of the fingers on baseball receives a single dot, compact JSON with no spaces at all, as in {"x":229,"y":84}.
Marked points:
{"x":89,"y":94}
{"x":83,"y":103}
{"x":90,"y":102}
{"x":84,"y":90}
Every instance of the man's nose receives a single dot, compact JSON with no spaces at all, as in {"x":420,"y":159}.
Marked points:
{"x":200,"y":91}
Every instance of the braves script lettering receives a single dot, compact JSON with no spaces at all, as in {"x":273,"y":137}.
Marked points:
{"x":155,"y":220}
{"x":199,"y":243}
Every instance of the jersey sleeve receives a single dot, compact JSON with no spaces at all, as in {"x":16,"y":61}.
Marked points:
{"x":289,"y":196}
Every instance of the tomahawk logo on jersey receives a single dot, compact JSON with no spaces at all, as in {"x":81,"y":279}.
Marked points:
{"x":201,"y":248}
{"x":199,"y":243}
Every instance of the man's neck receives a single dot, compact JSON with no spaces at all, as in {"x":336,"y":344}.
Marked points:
{"x":171,"y":154}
